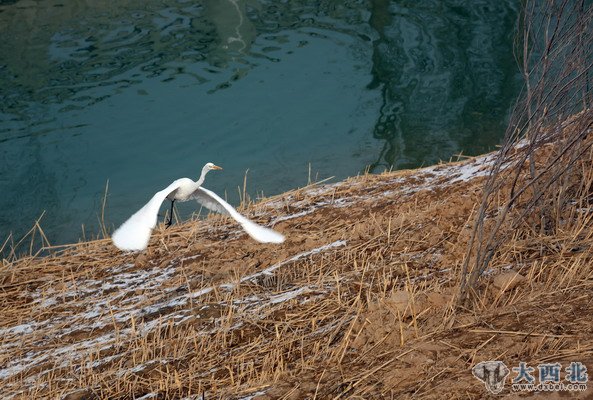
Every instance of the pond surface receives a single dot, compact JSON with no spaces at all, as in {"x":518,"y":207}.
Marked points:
{"x":138,"y":93}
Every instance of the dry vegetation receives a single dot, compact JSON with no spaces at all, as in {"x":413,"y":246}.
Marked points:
{"x":388,"y":286}
{"x":360,"y":302}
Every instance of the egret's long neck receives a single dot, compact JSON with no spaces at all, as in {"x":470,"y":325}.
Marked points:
{"x":202,"y":176}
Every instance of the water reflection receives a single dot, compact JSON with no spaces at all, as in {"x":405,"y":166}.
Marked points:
{"x":234,"y":29}
{"x":443,"y":68}
{"x":27,"y":184}
{"x":139,"y":93}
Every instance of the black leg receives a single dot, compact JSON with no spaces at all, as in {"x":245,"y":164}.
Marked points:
{"x":170,"y":221}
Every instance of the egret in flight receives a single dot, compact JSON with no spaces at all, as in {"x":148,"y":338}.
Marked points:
{"x":133,"y":235}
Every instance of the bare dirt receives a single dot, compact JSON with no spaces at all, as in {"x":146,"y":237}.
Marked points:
{"x":358,"y":303}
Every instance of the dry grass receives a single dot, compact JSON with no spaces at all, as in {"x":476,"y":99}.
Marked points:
{"x":358,"y":303}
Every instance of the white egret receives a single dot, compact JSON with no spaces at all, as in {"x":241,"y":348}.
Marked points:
{"x":133,"y":235}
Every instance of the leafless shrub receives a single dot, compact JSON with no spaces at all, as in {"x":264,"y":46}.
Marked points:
{"x":532,"y":180}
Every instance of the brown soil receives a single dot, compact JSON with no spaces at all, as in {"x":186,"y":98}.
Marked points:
{"x":358,"y":303}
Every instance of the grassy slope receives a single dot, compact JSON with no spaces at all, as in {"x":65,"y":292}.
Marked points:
{"x":358,"y":303}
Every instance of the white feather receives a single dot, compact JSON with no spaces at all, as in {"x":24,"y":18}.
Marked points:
{"x":213,"y":202}
{"x":134,"y":234}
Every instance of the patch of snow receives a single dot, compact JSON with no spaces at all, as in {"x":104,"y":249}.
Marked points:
{"x":269,"y":270}
{"x":282,"y":297}
{"x":13,"y":367}
{"x":492,"y":270}
{"x":48,"y":302}
{"x":195,"y":397}
{"x":291,"y":216}
{"x":148,"y":396}
{"x":17,"y":330}
{"x":477,"y":167}
{"x":191,"y":257}
{"x":252,"y":395}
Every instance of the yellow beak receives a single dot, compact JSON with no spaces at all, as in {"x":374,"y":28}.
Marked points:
{"x":216,"y":167}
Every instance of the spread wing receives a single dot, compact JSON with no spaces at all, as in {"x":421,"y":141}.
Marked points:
{"x":213,"y":202}
{"x":134,"y":234}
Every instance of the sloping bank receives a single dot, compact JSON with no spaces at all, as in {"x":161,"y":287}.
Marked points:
{"x":357,"y":303}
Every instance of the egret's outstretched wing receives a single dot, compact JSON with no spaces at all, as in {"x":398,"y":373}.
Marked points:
{"x":213,"y":202}
{"x":135,"y":232}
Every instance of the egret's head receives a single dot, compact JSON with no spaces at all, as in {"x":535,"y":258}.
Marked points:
{"x":211,"y":166}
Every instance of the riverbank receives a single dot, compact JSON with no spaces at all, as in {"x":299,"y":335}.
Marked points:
{"x":359,"y":302}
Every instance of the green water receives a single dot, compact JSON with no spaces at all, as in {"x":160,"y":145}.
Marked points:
{"x":139,"y":93}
